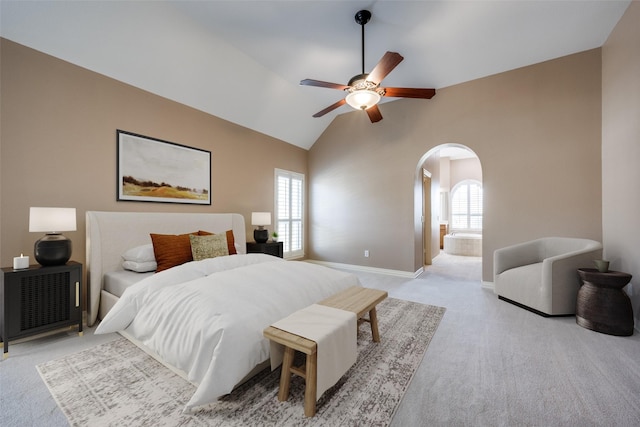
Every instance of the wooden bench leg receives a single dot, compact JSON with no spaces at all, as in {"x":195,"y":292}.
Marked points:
{"x":285,"y":375}
{"x":373,"y":319}
{"x":311,"y":381}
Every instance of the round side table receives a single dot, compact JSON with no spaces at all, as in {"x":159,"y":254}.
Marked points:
{"x":602,"y":305}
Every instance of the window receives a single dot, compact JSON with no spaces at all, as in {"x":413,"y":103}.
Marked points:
{"x":466,"y":206}
{"x":289,"y":211}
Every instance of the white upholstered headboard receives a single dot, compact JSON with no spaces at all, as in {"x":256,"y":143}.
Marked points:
{"x":109,"y":234}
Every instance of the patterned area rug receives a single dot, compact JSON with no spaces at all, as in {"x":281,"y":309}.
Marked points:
{"x":116,"y":383}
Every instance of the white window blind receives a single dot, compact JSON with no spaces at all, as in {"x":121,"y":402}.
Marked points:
{"x":466,"y":206}
{"x":289,"y":211}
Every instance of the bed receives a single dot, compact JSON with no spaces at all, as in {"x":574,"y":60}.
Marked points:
{"x":110,"y":234}
{"x":203,"y":319}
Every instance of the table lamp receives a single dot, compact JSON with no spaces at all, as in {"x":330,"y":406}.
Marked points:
{"x":260,"y":234}
{"x":53,"y":248}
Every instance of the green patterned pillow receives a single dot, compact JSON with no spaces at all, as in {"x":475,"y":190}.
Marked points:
{"x":212,"y":246}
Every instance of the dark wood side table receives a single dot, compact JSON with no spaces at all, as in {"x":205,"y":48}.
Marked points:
{"x":602,"y":305}
{"x":269,"y":248}
{"x":39,"y":299}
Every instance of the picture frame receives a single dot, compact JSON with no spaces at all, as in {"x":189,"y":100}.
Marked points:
{"x":154,"y":170}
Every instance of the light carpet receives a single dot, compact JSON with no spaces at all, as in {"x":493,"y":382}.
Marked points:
{"x":116,"y":383}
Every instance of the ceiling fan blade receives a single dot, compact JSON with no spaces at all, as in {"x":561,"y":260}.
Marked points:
{"x":330,"y":108}
{"x":387,"y":63}
{"x":319,"y":83}
{"x":374,"y":113}
{"x":405,"y":92}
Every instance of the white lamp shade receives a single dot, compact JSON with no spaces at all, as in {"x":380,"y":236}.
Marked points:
{"x":260,"y":218}
{"x":51,"y":220}
{"x":362,"y":99}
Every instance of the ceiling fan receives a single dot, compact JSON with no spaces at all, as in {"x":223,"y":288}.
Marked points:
{"x":364,"y":90}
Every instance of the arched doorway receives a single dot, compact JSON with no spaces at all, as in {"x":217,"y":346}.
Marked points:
{"x":441,"y":170}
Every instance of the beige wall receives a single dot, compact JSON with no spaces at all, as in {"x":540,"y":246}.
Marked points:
{"x":536,"y":131}
{"x":462,"y":169}
{"x":621,"y":149}
{"x":445,"y":175}
{"x":58,"y":147}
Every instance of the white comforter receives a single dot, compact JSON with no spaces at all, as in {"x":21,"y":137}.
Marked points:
{"x":206,"y":317}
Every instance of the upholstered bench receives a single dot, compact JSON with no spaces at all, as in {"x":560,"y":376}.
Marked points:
{"x":357,"y":300}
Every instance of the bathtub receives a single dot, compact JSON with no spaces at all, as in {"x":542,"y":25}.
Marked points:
{"x":466,"y":244}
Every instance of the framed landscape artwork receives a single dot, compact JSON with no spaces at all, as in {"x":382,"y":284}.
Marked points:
{"x":153,"y":170}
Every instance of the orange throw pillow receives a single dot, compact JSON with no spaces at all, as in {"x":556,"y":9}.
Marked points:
{"x":231,"y":242}
{"x":171,"y":249}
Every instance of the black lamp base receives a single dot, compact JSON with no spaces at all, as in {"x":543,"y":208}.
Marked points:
{"x":261,"y":236}
{"x":52,"y":249}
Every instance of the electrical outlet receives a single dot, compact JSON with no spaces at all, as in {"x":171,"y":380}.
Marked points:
{"x":366,"y":253}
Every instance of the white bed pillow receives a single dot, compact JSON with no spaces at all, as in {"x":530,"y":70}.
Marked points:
{"x":142,"y":253}
{"x":140,"y":259}
{"x":140,"y":267}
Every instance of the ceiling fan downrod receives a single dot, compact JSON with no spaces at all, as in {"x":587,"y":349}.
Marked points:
{"x":362,"y":17}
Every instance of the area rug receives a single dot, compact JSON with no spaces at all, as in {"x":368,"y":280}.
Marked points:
{"x":117,"y":384}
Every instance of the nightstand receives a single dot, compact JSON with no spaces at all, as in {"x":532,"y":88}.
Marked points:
{"x":269,"y":248}
{"x":39,"y":299}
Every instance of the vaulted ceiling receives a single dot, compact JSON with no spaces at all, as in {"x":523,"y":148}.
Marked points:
{"x":243,"y":60}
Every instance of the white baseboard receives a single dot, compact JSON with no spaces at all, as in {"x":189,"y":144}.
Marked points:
{"x":399,"y":273}
{"x":352,"y":267}
{"x":488,"y":285}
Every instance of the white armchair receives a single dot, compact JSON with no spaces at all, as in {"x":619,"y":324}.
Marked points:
{"x":541,"y":274}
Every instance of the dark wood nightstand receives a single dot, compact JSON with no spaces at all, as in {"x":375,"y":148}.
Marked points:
{"x":602,"y":305}
{"x":39,"y":299}
{"x":269,"y":248}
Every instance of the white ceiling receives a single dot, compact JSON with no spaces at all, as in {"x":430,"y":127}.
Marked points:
{"x":243,"y":60}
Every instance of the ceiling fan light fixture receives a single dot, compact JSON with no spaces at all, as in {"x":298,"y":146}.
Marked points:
{"x":363,"y":99}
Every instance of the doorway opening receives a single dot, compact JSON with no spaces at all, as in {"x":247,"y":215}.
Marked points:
{"x":451,"y":204}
